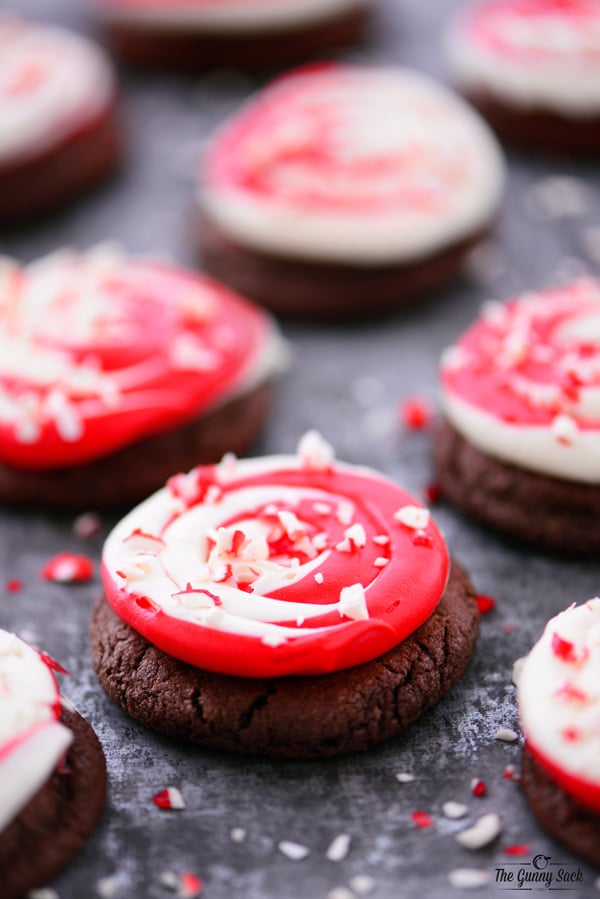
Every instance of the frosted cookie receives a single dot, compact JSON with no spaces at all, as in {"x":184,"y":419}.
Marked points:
{"x":520,"y":391}
{"x":559,"y":706}
{"x":58,"y":134}
{"x":532,"y":67}
{"x":199,"y":34}
{"x":291,"y":606}
{"x":52,"y":772}
{"x":341,"y":191}
{"x":116,"y":372}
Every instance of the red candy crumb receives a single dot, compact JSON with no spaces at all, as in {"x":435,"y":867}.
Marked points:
{"x":416,"y":413}
{"x":170,"y":798}
{"x":191,"y":886}
{"x":564,"y":649}
{"x":13,"y":586}
{"x":422,"y":538}
{"x":517,"y":849}
{"x":68,"y":568}
{"x":433,"y":493}
{"x":478,"y":787}
{"x":485,"y":603}
{"x":422,"y":819}
{"x":510,"y":773}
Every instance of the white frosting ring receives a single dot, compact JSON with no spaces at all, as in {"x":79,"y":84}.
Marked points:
{"x":75,"y":83}
{"x":221,"y":16}
{"x":563,"y":82}
{"x":559,"y":699}
{"x":32,"y":742}
{"x":374,"y":114}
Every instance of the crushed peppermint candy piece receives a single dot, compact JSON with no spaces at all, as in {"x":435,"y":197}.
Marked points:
{"x":68,"y":568}
{"x":107,"y":887}
{"x":485,"y":603}
{"x":319,"y":577}
{"x":517,"y":849}
{"x":340,"y":893}
{"x":416,"y":413}
{"x":478,"y":787}
{"x":363,"y":884}
{"x":381,"y":539}
{"x":506,"y":735}
{"x":13,"y":585}
{"x":433,"y":493}
{"x":315,"y":453}
{"x":414,"y":517}
{"x":87,"y":525}
{"x":296,"y":852}
{"x":565,"y":429}
{"x":403,"y":777}
{"x":339,"y":848}
{"x":353,"y":603}
{"x":510,"y":773}
{"x":422,"y":819}
{"x":469,"y":878}
{"x":190,"y":886}
{"x":380,"y":562}
{"x":237,"y":834}
{"x":454,"y":810}
{"x":170,"y":798}
{"x":485,"y":830}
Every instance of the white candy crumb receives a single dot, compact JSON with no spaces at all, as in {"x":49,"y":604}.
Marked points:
{"x":414,"y":517}
{"x":107,"y":887}
{"x":353,"y":603}
{"x":483,"y":832}
{"x":176,"y":800}
{"x":87,"y":525}
{"x":340,"y":893}
{"x":380,"y":562}
{"x":237,"y":834}
{"x":319,"y":578}
{"x":564,"y":429}
{"x":169,"y":880}
{"x":294,"y":851}
{"x":469,"y":878}
{"x":363,"y":884}
{"x":454,"y":810}
{"x":315,"y":453}
{"x":339,"y":848}
{"x":403,"y":777}
{"x":506,"y":735}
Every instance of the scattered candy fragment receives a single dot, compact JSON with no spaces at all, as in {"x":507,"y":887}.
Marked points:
{"x":363,"y":884}
{"x":469,"y":878}
{"x":186,"y":885}
{"x":506,"y":735}
{"x":454,"y":810}
{"x":339,"y":848}
{"x":13,"y":586}
{"x":415,"y":413}
{"x":433,"y":493}
{"x":517,"y":849}
{"x":422,"y":819}
{"x":68,"y":568}
{"x":107,"y":887}
{"x":237,"y":834}
{"x":478,"y":787}
{"x":294,"y":851}
{"x":340,"y":893}
{"x":484,"y":831}
{"x":403,"y":777}
{"x":510,"y":773}
{"x":485,"y":603}
{"x":170,"y":798}
{"x":87,"y":525}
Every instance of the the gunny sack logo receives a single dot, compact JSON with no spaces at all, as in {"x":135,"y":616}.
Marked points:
{"x":541,"y":873}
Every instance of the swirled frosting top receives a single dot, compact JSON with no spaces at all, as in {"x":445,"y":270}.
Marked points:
{"x":276,"y":566}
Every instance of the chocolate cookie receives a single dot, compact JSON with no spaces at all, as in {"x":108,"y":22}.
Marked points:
{"x":58,"y":123}
{"x":519,"y":390}
{"x":532,"y":70}
{"x":292,"y":717}
{"x":557,"y":692}
{"x":248,"y":36}
{"x":131,"y":371}
{"x":562,"y":816}
{"x":58,"y":820}
{"x":291,"y":606}
{"x":504,"y":497}
{"x":323,"y":201}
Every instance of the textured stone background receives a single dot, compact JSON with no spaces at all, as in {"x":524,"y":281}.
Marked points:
{"x":348,"y":382}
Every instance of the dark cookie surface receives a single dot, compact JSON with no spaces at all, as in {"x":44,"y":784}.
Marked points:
{"x":321,"y":290}
{"x":56,"y":823}
{"x":194,"y":51}
{"x":40,"y":183}
{"x":129,"y":475}
{"x":292,"y":717}
{"x":540,"y":510}
{"x":564,"y":818}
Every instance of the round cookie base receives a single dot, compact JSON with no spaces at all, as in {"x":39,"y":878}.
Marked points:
{"x":542,"y":511}
{"x":58,"y":820}
{"x":289,"y":717}
{"x":39,"y":183}
{"x":196,"y":51}
{"x":325,"y":291}
{"x":558,"y":813}
{"x":131,"y":474}
{"x":534,"y":128}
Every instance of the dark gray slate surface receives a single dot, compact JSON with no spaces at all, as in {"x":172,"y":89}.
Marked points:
{"x":348,"y":382}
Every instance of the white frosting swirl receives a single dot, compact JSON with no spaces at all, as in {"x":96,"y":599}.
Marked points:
{"x":548,"y":60}
{"x":225,"y":15}
{"x":32,"y":741}
{"x":559,"y":692}
{"x":359,"y":165}
{"x":51,"y":83}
